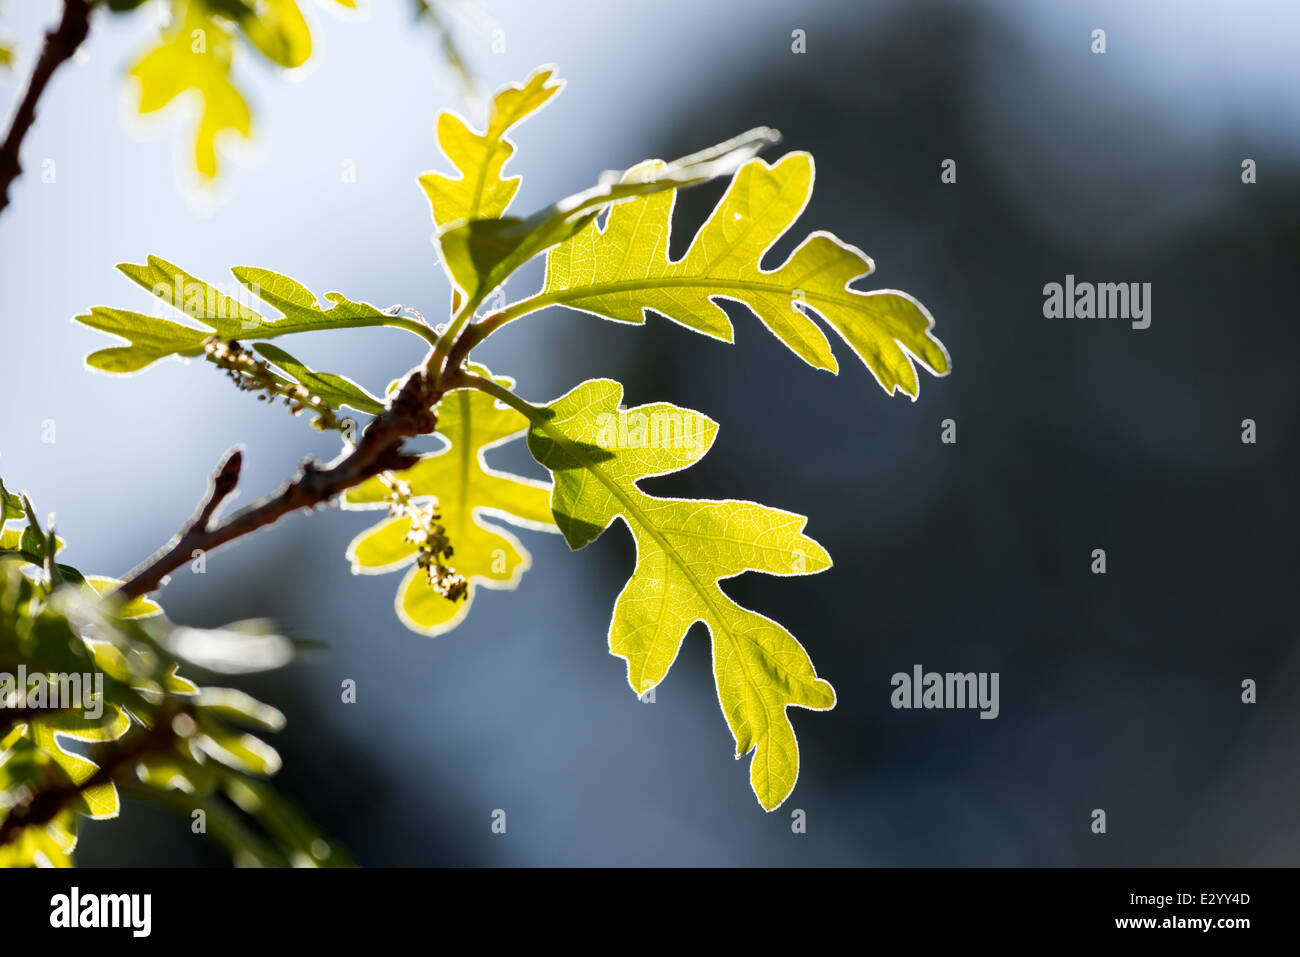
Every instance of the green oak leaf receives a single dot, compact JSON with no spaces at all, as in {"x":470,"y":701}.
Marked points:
{"x":152,"y":337}
{"x":623,"y":270}
{"x":139,"y":607}
{"x":335,"y":390}
{"x":470,"y":497}
{"x":24,"y":768}
{"x":11,"y":506}
{"x":480,"y":254}
{"x":98,"y":802}
{"x":597,"y":452}
{"x":48,"y":846}
{"x":481,"y":192}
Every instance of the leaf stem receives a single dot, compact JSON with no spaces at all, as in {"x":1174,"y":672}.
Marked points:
{"x":411,"y":325}
{"x":448,"y":339}
{"x":523,"y":307}
{"x":282,"y":327}
{"x":527,"y":409}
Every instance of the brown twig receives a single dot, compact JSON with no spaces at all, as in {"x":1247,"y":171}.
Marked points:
{"x":471,"y":336}
{"x":379,"y":450}
{"x":61,"y":43}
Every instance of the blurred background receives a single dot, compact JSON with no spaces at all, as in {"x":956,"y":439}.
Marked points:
{"x":1120,"y":692}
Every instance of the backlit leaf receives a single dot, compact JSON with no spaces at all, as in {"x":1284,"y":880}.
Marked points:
{"x":472,"y":498}
{"x":597,"y":453}
{"x":480,"y":191}
{"x":140,"y":607}
{"x":623,"y":271}
{"x":479,"y":254}
{"x":335,"y":390}
{"x":229,"y":316}
{"x":242,"y":647}
{"x":195,"y":54}
{"x":278,"y":29}
{"x":98,"y":801}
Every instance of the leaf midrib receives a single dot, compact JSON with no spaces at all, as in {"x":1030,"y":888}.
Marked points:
{"x":576,"y":453}
{"x":561,"y":296}
{"x":466,"y":452}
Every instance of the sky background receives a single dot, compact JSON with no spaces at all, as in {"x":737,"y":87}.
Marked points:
{"x":1119,"y":693}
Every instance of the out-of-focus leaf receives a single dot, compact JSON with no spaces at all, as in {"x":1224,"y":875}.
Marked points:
{"x":277,"y":28}
{"x":172,"y":771}
{"x":238,"y":648}
{"x":11,"y":506}
{"x":235,"y":706}
{"x":99,"y":801}
{"x":195,"y":54}
{"x":246,"y":847}
{"x":141,"y":607}
{"x":104,"y":712}
{"x":306,"y":845}
{"x":236,"y":749}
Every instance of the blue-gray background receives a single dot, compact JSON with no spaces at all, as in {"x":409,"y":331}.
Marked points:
{"x":1119,"y":692}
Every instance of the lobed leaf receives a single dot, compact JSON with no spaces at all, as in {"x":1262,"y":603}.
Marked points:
{"x":152,"y":338}
{"x":622,"y":271}
{"x":24,"y":768}
{"x":470,"y":495}
{"x":480,"y":254}
{"x":480,"y":191}
{"x":195,"y":54}
{"x":99,"y":801}
{"x":597,"y":453}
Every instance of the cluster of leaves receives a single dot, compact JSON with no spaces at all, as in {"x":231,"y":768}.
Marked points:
{"x":615,"y":266}
{"x":72,"y":744}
